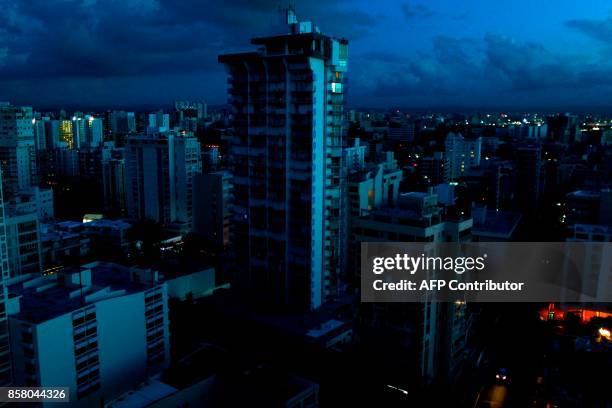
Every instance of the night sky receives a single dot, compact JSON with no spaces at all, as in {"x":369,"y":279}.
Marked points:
{"x":471,"y":53}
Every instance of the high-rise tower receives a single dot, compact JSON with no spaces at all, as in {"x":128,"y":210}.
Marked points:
{"x":5,"y":356}
{"x":288,"y":106}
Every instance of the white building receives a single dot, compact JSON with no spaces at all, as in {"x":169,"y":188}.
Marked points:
{"x":98,"y":330}
{"x":35,"y":199}
{"x":159,"y":177}
{"x":374,"y":187}
{"x":462,"y":154}
{"x":17,"y":148}
{"x":23,"y":243}
{"x":355,"y":156}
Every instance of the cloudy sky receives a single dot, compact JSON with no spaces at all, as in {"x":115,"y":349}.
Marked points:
{"x":473,"y":53}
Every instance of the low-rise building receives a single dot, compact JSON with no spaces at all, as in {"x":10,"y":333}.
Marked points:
{"x":99,"y":330}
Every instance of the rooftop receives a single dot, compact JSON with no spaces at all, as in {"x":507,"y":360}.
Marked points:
{"x":45,"y":298}
{"x":491,"y":222}
{"x":588,"y":194}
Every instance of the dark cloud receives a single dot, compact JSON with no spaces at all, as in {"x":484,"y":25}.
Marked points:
{"x":108,"y":38}
{"x":123,"y":51}
{"x":488,"y":70}
{"x":414,"y":11}
{"x":600,"y":30}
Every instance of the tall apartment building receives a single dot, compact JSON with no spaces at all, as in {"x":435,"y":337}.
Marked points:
{"x":491,"y":184}
{"x":94,"y":134}
{"x":434,"y":169}
{"x":23,"y":243}
{"x":113,"y":180}
{"x":66,"y":135}
{"x":98,"y":329}
{"x":288,"y":106}
{"x":529,"y":176}
{"x":461,"y":154}
{"x":52,"y":132}
{"x":86,"y":132}
{"x":35,"y":199}
{"x":157,"y":122}
{"x":439,"y":328}
{"x":121,"y":122}
{"x":159,"y":177}
{"x":193,"y":109}
{"x":17,"y":148}
{"x":402,"y":131}
{"x":212,"y":204}
{"x":40,"y":138}
{"x":5,"y":349}
{"x":354,"y":156}
{"x":374,"y":187}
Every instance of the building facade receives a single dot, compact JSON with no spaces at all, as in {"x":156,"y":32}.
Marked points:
{"x":288,"y":105}
{"x":461,"y":154}
{"x":108,"y":338}
{"x":159,"y":177}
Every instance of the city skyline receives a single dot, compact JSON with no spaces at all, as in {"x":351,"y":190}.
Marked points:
{"x":405,"y":54}
{"x":265,"y":240}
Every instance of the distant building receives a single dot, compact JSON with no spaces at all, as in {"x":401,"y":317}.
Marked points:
{"x":494,"y":226}
{"x":461,"y":154}
{"x":590,"y":233}
{"x":211,"y":158}
{"x":416,"y":218}
{"x":23,"y":243}
{"x":212,"y":207}
{"x":52,"y":135}
{"x":17,"y":148}
{"x":563,"y":128}
{"x":99,"y":330}
{"x":439,"y":328}
{"x":6,"y":378}
{"x":492,"y":184}
{"x":592,"y":207}
{"x":537,"y":131}
{"x":529,"y":176}
{"x":40,"y":137}
{"x":66,"y":134}
{"x":354,"y":156}
{"x":61,"y":247}
{"x":191,"y":109}
{"x":158,"y":122}
{"x":114,"y":183}
{"x":86,"y":132}
{"x":434,"y":169}
{"x":159,"y":177}
{"x":402,"y":132}
{"x":35,"y":199}
{"x":122,"y":122}
{"x":188,"y":115}
{"x":606,"y":137}
{"x":374,"y":187}
{"x":94,"y":133}
{"x":108,"y":237}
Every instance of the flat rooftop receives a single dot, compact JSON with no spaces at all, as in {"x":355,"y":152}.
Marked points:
{"x":45,"y":298}
{"x":498,"y":223}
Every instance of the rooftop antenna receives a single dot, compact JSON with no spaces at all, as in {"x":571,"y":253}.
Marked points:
{"x":288,"y":14}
